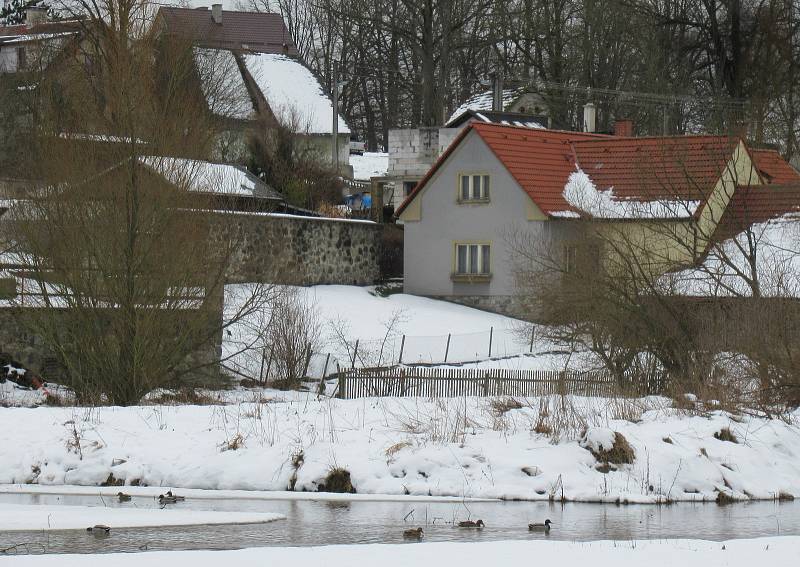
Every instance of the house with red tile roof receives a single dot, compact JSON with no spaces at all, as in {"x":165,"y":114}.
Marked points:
{"x":497,"y":186}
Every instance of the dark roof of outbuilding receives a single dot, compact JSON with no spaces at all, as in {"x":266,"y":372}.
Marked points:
{"x":249,"y":31}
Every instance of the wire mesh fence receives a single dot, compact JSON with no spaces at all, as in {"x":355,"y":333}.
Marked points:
{"x":255,"y":359}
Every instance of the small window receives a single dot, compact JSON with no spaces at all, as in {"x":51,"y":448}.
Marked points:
{"x":473,"y":187}
{"x":473,"y":259}
{"x":408,"y":187}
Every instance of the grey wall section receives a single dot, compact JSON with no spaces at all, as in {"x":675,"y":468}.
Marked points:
{"x":429,"y":242}
{"x":304,"y":250}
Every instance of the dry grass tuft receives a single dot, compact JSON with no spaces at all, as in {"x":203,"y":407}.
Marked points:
{"x":235,"y":443}
{"x":620,"y":453}
{"x":184,"y":397}
{"x":502,"y":405}
{"x":725,"y":434}
{"x":338,"y":481}
{"x":391,"y":451}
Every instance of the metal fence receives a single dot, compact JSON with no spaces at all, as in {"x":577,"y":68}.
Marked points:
{"x":452,"y":382}
{"x":453,"y":348}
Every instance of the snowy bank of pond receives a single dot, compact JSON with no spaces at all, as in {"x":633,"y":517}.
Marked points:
{"x":465,"y":447}
{"x":18,"y":517}
{"x":687,"y":553}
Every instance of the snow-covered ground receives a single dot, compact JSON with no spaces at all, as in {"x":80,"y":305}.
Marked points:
{"x":432,"y":328}
{"x":19,"y":517}
{"x":474,"y":447}
{"x":687,"y":553}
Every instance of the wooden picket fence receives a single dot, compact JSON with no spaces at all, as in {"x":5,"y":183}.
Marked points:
{"x":453,"y":382}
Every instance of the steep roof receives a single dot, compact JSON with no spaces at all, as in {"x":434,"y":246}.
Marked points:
{"x":773,"y":168}
{"x":294,"y":93}
{"x":260,"y":32}
{"x":483,"y":101}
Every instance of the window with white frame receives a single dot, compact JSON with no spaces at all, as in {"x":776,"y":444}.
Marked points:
{"x":473,"y":187}
{"x":473,"y":259}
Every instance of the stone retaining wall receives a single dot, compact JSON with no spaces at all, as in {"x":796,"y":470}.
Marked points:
{"x":275,"y":248}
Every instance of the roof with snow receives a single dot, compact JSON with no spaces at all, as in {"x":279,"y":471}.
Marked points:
{"x":209,"y":177}
{"x":483,"y":101}
{"x":294,"y":93}
{"x":369,"y":165}
{"x":42,"y":31}
{"x":571,"y":174}
{"x":261,"y":32}
{"x":498,"y":117}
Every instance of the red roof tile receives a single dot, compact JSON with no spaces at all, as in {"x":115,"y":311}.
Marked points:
{"x":773,"y":168}
{"x":261,"y":32}
{"x":649,"y":169}
{"x":751,"y":204}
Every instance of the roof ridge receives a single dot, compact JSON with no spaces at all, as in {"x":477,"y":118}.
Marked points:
{"x":588,"y":135}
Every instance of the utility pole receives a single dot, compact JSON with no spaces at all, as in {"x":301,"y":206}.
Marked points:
{"x":335,"y":129}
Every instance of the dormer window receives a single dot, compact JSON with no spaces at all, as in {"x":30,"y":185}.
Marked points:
{"x":473,"y":188}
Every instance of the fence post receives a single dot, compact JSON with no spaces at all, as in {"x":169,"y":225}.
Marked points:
{"x":491,"y":335}
{"x":402,"y":346}
{"x":263,"y":360}
{"x":321,"y":389}
{"x":269,"y":364}
{"x":342,"y":383}
{"x":533,"y":335}
{"x":447,"y":348}
{"x":355,"y":353}
{"x":308,"y":360}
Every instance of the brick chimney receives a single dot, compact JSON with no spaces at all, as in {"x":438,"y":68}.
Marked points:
{"x":623,"y":128}
{"x":216,"y":13}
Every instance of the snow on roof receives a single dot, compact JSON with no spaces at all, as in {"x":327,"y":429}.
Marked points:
{"x":207,"y":177}
{"x":371,"y":164}
{"x":294,"y":94}
{"x":483,"y":101}
{"x":222,"y":83}
{"x":582,"y":194}
{"x":774,"y":248}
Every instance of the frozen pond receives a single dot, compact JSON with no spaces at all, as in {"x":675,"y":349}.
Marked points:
{"x":324,"y":523}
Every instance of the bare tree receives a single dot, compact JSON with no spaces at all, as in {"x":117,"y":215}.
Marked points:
{"x":123,"y":263}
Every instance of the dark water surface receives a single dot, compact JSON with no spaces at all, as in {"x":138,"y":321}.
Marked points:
{"x":325,"y":523}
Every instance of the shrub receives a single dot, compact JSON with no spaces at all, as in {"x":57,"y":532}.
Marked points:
{"x":619,"y":452}
{"x":338,"y":481}
{"x":725,"y":434}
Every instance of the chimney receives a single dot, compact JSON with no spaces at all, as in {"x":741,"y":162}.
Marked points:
{"x":216,"y":13}
{"x":497,"y":91}
{"x":623,"y":128}
{"x":589,"y":117}
{"x":35,"y":15}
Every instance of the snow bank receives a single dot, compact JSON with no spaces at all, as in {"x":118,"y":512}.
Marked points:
{"x":294,"y":94}
{"x":581,"y":192}
{"x":20,"y":517}
{"x":687,"y":553}
{"x":449,"y":447}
